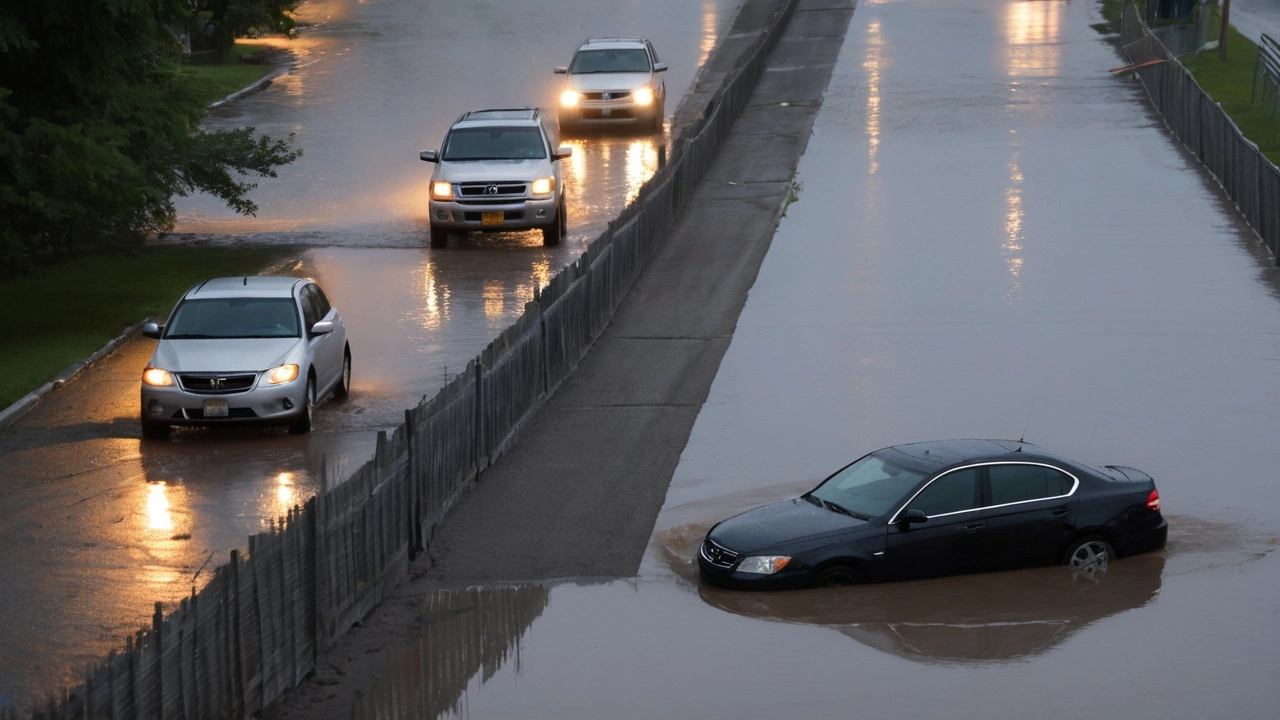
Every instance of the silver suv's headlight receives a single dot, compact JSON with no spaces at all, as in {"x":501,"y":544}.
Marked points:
{"x":156,"y":377}
{"x":644,"y":96}
{"x":543,"y":186}
{"x":570,"y":98}
{"x":763,"y":564}
{"x":441,"y":190}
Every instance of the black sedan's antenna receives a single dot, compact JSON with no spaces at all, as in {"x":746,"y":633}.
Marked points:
{"x":1025,"y":425}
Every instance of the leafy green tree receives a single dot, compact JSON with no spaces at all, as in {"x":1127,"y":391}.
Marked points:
{"x":220,"y":22}
{"x":98,"y":133}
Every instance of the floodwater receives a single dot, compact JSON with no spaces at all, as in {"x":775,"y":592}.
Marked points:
{"x":993,"y":236}
{"x":98,"y":526}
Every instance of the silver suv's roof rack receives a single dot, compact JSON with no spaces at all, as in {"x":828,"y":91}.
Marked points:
{"x":524,"y":113}
{"x":614,"y":38}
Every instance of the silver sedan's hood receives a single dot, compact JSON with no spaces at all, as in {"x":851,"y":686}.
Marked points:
{"x":456,"y":171}
{"x":598,"y":82}
{"x":232,"y":355}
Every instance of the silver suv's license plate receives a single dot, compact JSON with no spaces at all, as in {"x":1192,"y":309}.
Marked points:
{"x":216,"y":409}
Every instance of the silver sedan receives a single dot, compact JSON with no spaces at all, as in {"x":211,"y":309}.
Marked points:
{"x":245,"y":350}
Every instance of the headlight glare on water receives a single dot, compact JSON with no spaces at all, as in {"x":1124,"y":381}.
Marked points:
{"x":282,"y":374}
{"x":764,"y":564}
{"x":156,"y":377}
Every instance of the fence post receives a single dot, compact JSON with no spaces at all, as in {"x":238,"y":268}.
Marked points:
{"x":478,"y":435}
{"x":157,"y":639}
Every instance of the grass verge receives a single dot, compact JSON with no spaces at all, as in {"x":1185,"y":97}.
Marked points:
{"x":214,"y":81}
{"x":60,"y":316}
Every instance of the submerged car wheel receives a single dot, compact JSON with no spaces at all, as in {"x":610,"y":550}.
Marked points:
{"x":439,"y":237}
{"x":303,"y":425}
{"x":837,"y":576}
{"x":1089,"y":556}
{"x":344,"y":383}
{"x":551,"y":234}
{"x":153,"y":430}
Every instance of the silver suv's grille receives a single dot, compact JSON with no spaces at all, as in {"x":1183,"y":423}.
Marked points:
{"x":612,"y":95}
{"x":213,"y":384}
{"x":477,"y":193}
{"x":718,"y":555}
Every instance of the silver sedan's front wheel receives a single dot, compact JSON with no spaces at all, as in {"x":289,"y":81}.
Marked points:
{"x":1089,"y":556}
{"x":303,"y":424}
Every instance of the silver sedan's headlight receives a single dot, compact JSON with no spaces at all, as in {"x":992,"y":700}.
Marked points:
{"x":156,"y":377}
{"x":763,"y":564}
{"x":282,"y":374}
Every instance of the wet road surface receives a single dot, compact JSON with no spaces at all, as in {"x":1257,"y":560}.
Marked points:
{"x":99,"y":526}
{"x":992,"y":235}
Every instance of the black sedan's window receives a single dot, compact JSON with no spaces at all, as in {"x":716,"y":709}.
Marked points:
{"x":1018,"y":483}
{"x":953,"y":492}
{"x":869,"y":487}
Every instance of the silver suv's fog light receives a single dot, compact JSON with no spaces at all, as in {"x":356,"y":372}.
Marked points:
{"x":442,"y":215}
{"x":542,"y":212}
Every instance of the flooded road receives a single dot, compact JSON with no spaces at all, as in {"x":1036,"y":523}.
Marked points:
{"x":99,"y":526}
{"x":992,"y":236}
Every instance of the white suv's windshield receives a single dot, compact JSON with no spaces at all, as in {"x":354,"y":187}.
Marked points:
{"x":868,"y":488}
{"x":610,"y":61}
{"x":494,"y":143}
{"x":222,"y":318}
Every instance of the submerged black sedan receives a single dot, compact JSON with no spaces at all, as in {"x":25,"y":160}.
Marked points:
{"x":939,"y":508}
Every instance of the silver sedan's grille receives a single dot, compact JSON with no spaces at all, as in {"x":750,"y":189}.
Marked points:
{"x":718,"y":555}
{"x":214,"y":384}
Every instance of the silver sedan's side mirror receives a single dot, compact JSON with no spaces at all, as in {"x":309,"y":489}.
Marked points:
{"x":429,"y":155}
{"x":560,"y":70}
{"x":152,"y":330}
{"x":659,"y":67}
{"x":322,"y":327}
{"x":564,"y":151}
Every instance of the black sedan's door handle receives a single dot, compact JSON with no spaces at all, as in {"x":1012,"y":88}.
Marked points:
{"x":1060,"y":512}
{"x":974,"y":527}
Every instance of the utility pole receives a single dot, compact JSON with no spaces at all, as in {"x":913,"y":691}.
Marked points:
{"x":1222,"y":35}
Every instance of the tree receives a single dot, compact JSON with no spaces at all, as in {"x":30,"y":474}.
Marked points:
{"x":220,"y":22}
{"x":98,"y":133}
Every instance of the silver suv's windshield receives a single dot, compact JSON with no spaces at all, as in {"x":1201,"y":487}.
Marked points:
{"x":494,"y":143}
{"x":610,"y":61}
{"x":220,"y":318}
{"x":868,"y":488}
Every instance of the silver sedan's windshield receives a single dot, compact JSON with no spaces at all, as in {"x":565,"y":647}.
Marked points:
{"x":868,"y":488}
{"x":610,"y":61}
{"x":514,"y":143}
{"x":219,"y":318}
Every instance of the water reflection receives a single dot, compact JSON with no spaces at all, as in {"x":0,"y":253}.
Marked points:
{"x":467,"y":635}
{"x":992,"y":617}
{"x":872,"y":63}
{"x":1033,"y":31}
{"x":1013,"y":224}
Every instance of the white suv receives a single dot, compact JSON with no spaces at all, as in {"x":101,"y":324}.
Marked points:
{"x":497,"y":170}
{"x":613,"y":81}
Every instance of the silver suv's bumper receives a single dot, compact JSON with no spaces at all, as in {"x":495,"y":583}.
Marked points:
{"x":515,"y":215}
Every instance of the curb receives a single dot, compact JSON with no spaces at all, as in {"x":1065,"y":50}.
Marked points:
{"x":10,"y":415}
{"x":260,"y":84}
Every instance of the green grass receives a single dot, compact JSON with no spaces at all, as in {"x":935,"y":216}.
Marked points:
{"x":1231,"y":84}
{"x":54,"y":319}
{"x":214,"y":80}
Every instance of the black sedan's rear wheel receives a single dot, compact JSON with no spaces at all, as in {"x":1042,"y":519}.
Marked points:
{"x":1089,"y":556}
{"x":837,"y":576}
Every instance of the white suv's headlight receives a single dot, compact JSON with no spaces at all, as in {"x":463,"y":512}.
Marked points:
{"x":644,"y":96}
{"x":764,"y":564}
{"x":282,"y":374}
{"x":156,"y":377}
{"x":570,"y":98}
{"x":441,"y":190}
{"x":543,"y":186}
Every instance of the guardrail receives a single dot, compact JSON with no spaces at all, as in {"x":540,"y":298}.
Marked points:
{"x":1199,"y":122}
{"x":255,"y":630}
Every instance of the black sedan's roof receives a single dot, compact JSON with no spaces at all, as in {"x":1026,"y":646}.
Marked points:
{"x":934,"y":455}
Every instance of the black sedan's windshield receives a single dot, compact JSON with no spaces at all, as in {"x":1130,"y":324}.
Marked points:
{"x":610,"y":61}
{"x":513,"y":143}
{"x":868,"y":488}
{"x":221,"y":318}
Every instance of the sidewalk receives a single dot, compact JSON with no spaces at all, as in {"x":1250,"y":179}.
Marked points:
{"x":1255,"y":17}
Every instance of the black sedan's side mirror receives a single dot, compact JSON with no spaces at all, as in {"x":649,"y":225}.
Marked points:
{"x":913,"y":517}
{"x":152,"y":330}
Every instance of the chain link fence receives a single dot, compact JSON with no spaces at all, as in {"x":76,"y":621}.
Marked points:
{"x":1247,"y":176}
{"x":255,"y":630}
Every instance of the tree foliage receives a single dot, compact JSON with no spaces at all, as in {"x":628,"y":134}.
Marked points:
{"x":98,"y":133}
{"x":220,"y":22}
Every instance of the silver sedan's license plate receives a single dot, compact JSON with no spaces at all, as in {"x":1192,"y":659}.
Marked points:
{"x":216,"y":409}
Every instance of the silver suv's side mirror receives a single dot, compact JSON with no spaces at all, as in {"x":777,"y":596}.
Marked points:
{"x":152,"y":330}
{"x":560,"y":70}
{"x":564,"y":151}
{"x":429,"y":155}
{"x":659,"y":67}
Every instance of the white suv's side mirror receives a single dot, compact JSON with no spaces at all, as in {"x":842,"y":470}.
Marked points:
{"x":429,"y":155}
{"x":564,"y":151}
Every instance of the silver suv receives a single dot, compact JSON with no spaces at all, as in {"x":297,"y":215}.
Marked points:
{"x":613,"y":81}
{"x":245,"y":350}
{"x":497,"y":170}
